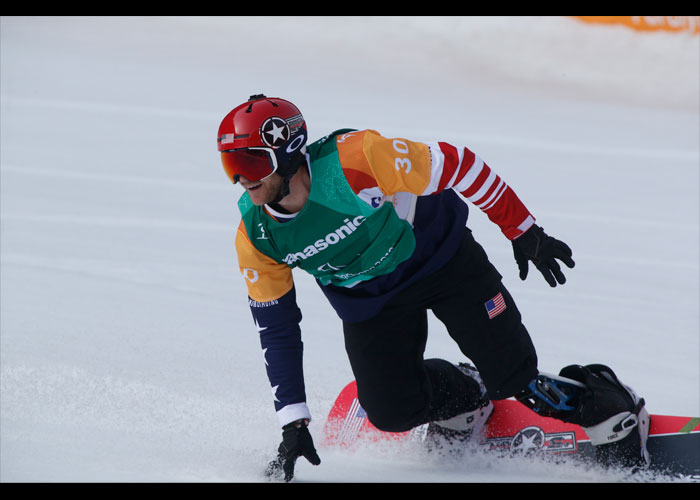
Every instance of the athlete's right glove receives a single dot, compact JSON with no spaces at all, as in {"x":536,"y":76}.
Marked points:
{"x":543,"y":250}
{"x":296,"y":442}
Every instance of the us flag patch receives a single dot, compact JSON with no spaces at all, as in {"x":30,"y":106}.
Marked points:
{"x":226,"y":138}
{"x":495,"y":306}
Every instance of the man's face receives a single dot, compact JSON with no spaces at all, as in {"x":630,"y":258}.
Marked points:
{"x":264,"y":191}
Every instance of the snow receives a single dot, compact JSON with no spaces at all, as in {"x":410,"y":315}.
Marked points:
{"x":127,"y":349}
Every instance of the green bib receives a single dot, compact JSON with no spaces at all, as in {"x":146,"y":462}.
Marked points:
{"x":336,"y":237}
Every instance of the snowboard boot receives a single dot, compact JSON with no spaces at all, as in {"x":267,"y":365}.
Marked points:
{"x":453,"y":433}
{"x":610,"y":412}
{"x":612,"y":415}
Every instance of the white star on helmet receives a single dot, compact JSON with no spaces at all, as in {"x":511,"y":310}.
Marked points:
{"x":277,"y":133}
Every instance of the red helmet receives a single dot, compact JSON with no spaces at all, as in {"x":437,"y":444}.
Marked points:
{"x":260,"y":137}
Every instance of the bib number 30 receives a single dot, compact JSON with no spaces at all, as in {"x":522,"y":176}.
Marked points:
{"x":401,"y":163}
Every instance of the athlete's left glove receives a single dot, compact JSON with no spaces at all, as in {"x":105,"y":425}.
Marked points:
{"x":296,"y":442}
{"x":542,"y":250}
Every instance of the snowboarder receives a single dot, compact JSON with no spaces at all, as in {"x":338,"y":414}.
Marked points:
{"x":380,"y":223}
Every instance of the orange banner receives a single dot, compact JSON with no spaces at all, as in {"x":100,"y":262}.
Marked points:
{"x":677,"y":24}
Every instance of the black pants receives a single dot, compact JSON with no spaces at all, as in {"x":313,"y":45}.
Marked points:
{"x":400,"y":390}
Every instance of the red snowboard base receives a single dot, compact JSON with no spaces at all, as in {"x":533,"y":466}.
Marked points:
{"x":674,"y":442}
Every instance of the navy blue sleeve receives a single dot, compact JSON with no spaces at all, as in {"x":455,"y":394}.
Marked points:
{"x":277,"y":322}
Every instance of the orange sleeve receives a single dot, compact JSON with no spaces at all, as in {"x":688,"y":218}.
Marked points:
{"x":394,"y":165}
{"x":402,"y":166}
{"x":266,"y":279}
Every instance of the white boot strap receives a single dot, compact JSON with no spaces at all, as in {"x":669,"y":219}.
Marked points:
{"x":613,"y":429}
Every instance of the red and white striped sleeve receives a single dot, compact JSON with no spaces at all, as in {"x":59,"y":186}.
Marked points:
{"x":460,"y":169}
{"x":395,"y":165}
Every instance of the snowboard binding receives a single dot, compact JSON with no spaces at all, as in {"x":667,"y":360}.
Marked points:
{"x":552,"y":396}
{"x":592,"y":397}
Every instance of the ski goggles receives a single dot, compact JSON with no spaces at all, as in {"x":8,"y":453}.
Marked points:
{"x":254,"y":163}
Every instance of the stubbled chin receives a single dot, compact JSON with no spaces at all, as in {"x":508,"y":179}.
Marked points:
{"x":258,"y":196}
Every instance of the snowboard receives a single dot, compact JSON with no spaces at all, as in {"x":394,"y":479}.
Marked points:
{"x":513,"y":428}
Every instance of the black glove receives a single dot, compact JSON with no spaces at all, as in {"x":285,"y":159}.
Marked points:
{"x":542,"y":250}
{"x":296,"y":442}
